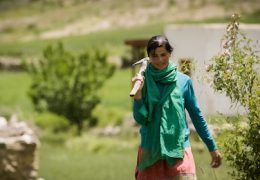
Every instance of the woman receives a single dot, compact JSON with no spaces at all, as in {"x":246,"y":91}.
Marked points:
{"x":159,"y":107}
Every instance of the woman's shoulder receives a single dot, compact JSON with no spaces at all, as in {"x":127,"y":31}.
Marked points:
{"x":183,"y":81}
{"x":182,"y":78}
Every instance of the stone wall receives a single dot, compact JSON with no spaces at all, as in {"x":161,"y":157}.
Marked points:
{"x":11,"y":64}
{"x":18,"y":151}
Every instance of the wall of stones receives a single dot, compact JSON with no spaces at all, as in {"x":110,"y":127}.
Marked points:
{"x":18,"y":151}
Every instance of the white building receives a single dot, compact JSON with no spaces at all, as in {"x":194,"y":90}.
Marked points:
{"x":201,"y":43}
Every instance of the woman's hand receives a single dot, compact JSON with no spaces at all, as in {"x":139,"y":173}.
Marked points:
{"x":216,"y":158}
{"x":138,"y":94}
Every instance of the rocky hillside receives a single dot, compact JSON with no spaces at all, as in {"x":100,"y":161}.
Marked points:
{"x":30,"y":19}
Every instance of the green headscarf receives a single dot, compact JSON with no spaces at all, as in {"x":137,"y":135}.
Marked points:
{"x":165,"y":116}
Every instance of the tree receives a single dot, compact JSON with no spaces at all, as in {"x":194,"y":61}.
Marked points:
{"x":66,"y":84}
{"x":234,"y":73}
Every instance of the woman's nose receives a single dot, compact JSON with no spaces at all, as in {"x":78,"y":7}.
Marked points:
{"x":160,"y":58}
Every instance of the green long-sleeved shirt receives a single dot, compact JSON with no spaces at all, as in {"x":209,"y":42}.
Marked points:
{"x":191,"y":105}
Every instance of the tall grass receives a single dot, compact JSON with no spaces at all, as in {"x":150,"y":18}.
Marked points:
{"x":204,"y":171}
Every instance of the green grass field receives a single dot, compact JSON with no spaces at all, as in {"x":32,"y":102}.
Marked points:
{"x":15,"y":85}
{"x":59,"y":162}
{"x":13,"y":93}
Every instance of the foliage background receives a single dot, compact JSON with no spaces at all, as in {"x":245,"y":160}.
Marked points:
{"x":234,"y":73}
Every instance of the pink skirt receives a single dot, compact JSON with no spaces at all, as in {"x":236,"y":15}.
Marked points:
{"x":161,"y":170}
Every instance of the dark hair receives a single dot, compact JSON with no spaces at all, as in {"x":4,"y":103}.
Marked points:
{"x":158,"y":41}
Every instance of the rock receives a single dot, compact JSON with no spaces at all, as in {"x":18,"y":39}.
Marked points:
{"x":109,"y":130}
{"x":3,"y":122}
{"x":10,"y":63}
{"x":129,"y":121}
{"x":18,"y":149}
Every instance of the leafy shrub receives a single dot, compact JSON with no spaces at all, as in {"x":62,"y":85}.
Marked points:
{"x":234,"y":74}
{"x":51,"y":121}
{"x":66,"y":84}
{"x":186,"y":66}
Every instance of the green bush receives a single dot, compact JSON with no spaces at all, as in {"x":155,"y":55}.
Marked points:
{"x":234,"y":74}
{"x":51,"y":121}
{"x":66,"y":84}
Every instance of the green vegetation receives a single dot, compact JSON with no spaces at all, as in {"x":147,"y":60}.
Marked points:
{"x":234,"y":74}
{"x":222,"y":119}
{"x":66,"y":85}
{"x":253,"y":17}
{"x":27,"y":20}
{"x":101,"y":158}
{"x":116,"y":89}
{"x":13,"y":90}
{"x":60,"y":163}
{"x":14,"y":97}
{"x":51,"y":122}
{"x":113,"y":40}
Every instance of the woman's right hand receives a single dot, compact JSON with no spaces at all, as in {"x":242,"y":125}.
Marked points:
{"x":216,"y":158}
{"x":138,"y":94}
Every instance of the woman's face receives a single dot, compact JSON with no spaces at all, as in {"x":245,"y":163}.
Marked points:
{"x":160,"y":58}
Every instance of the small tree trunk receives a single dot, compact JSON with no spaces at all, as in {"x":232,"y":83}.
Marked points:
{"x":79,"y":127}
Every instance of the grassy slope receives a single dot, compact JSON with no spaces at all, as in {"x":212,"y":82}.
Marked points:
{"x":38,"y":17}
{"x":112,"y":40}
